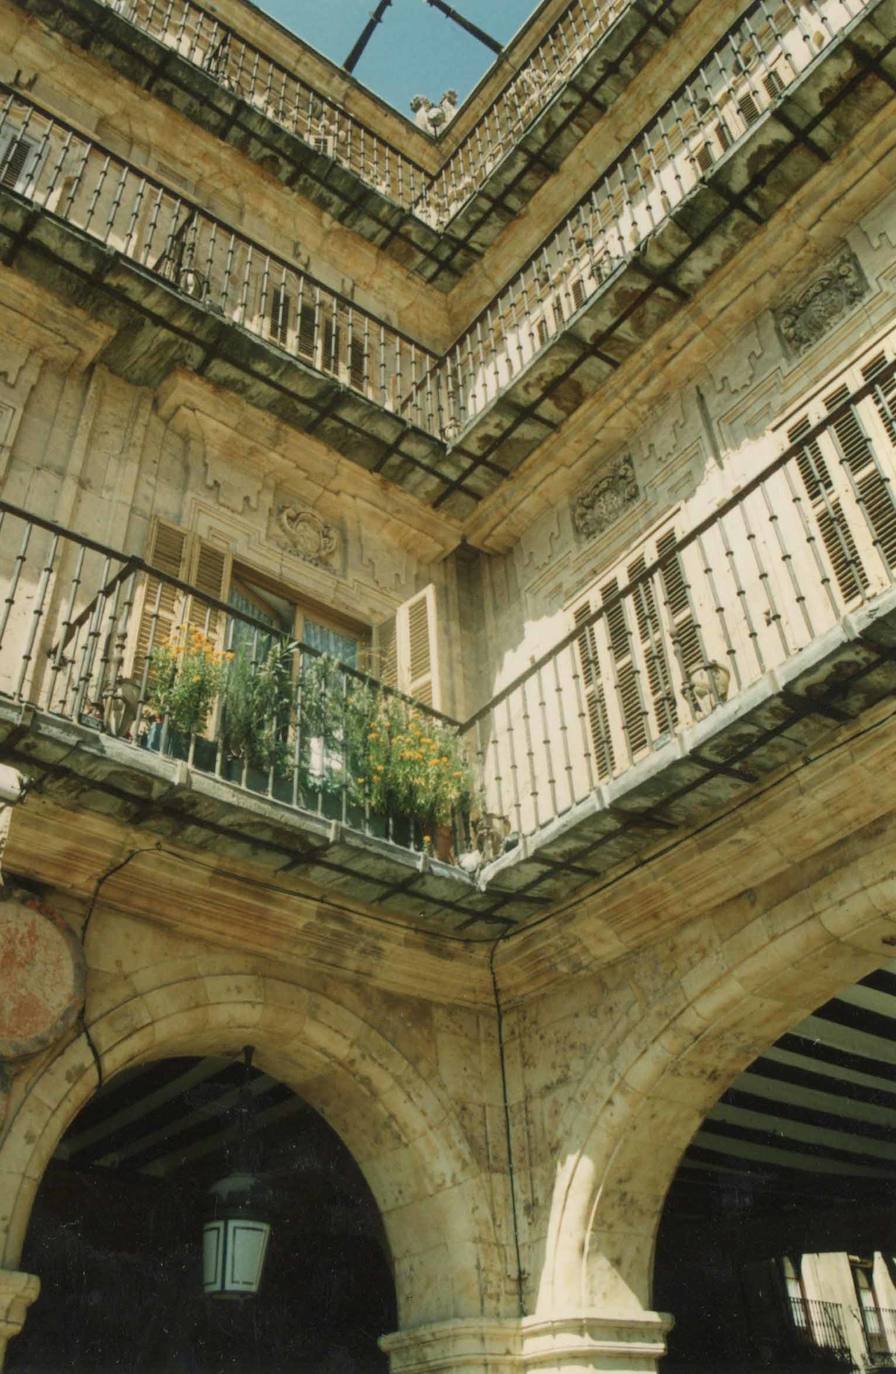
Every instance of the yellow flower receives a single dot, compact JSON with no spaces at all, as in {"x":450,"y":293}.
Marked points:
{"x":427,"y":839}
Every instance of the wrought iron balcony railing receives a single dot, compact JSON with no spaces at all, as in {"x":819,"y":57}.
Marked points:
{"x":200,"y":37}
{"x":818,"y":1323}
{"x":682,"y":630}
{"x":219,"y":51}
{"x":668,"y":649}
{"x":93,"y":636}
{"x":744,"y":77}
{"x":553,"y":62}
{"x":83,"y":184}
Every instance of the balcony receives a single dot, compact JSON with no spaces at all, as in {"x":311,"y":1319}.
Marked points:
{"x":181,"y":288}
{"x":817,"y":1325}
{"x":775,"y":99}
{"x":437,"y":224}
{"x":702,"y":664}
{"x":752,"y":123}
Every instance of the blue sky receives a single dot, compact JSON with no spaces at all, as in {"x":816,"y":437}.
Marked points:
{"x":415,"y":50}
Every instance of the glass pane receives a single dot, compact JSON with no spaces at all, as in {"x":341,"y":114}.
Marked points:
{"x":340,"y":646}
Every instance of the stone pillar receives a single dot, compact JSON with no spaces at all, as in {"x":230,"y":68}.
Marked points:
{"x":17,"y":1293}
{"x":554,"y":1345}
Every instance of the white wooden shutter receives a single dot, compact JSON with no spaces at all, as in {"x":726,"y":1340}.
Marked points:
{"x":407,"y":649}
{"x":636,"y":658}
{"x":209,"y":572}
{"x":159,"y":607}
{"x":417,"y":646}
{"x":19,"y":155}
{"x":849,"y":497}
{"x":162,"y":609}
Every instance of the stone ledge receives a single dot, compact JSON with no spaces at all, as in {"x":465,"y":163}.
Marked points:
{"x":592,"y":1341}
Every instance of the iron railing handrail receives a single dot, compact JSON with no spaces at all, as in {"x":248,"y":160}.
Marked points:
{"x":572,"y":219}
{"x":453,"y":387}
{"x":432,"y":188}
{"x":193,"y":208}
{"x":701,"y":527}
{"x":622,"y":594}
{"x":132,"y":563}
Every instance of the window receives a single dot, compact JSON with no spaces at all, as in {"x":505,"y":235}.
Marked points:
{"x":638,"y":658}
{"x":850,"y":497}
{"x":281,"y":314}
{"x":795,"y":1295}
{"x":872,"y":1321}
{"x":19,"y":156}
{"x":288,"y":614}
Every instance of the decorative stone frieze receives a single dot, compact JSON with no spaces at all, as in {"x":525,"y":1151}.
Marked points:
{"x":602,"y":502}
{"x":810,"y":313}
{"x":305,"y":534}
{"x":42,"y":979}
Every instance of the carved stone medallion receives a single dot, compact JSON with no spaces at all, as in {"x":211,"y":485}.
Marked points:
{"x":816,"y":308}
{"x":42,"y":977}
{"x":602,"y":502}
{"x":307,"y":535}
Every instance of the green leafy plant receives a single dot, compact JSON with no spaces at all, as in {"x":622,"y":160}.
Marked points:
{"x":185,"y":677}
{"x":407,"y":761}
{"x":256,"y":702}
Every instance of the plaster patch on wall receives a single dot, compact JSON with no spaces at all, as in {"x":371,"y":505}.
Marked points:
{"x":542,"y":543}
{"x":879,"y":227}
{"x":236,"y":489}
{"x":385,"y":566}
{"x":736,"y":369}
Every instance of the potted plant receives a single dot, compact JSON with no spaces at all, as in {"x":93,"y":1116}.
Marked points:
{"x":256,"y":706}
{"x":409,"y":763}
{"x":184,"y":679}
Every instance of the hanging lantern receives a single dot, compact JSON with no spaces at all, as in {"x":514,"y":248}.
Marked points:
{"x":236,"y":1233}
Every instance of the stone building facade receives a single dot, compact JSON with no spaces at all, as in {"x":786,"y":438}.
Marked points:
{"x":578,"y":425}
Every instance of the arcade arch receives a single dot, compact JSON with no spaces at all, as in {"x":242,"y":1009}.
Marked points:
{"x":398,"y":1123}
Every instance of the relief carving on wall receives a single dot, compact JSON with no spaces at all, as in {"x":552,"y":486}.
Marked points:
{"x":307,"y":535}
{"x":811,"y":313}
{"x":602,"y":502}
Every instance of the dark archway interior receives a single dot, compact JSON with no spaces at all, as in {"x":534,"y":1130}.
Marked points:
{"x":116,"y":1231}
{"x":777,"y":1242}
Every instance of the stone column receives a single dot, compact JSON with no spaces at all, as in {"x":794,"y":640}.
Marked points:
{"x":17,"y":1293}
{"x":553,"y":1345}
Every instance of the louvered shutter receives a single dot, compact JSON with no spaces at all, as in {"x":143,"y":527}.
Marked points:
{"x":746,"y":103}
{"x":687,"y":645}
{"x":595,"y":696}
{"x":827,"y":510}
{"x":417,"y":630}
{"x":626,"y":669}
{"x":163,"y":609}
{"x":281,"y":314}
{"x":656,"y":685}
{"x":307,"y":329}
{"x":872,"y":490}
{"x":883,"y":395}
{"x":637,"y":658}
{"x":386,"y":652}
{"x":17,"y":157}
{"x":210,"y":574}
{"x":161,"y":604}
{"x":407,"y":649}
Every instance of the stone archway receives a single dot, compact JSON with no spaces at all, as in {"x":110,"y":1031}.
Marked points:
{"x":713,"y":999}
{"x":399,"y":1126}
